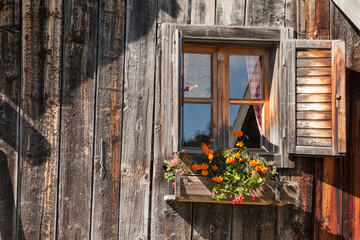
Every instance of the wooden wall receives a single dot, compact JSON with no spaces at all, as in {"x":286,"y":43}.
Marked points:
{"x":80,"y":125}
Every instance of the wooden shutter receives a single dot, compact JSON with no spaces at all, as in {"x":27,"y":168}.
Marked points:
{"x":315,"y":74}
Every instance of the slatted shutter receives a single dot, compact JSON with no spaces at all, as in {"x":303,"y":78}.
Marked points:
{"x":315,"y":74}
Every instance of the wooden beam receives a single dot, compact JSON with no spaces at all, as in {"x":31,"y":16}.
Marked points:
{"x":351,"y":8}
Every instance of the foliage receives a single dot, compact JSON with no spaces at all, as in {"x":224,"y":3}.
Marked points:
{"x":235,"y":173}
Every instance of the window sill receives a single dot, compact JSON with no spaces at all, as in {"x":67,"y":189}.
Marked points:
{"x":197,"y":188}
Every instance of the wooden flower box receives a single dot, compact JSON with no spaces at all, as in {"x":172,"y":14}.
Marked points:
{"x":197,"y":188}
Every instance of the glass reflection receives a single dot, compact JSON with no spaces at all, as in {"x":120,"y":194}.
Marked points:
{"x":246,"y":118}
{"x":245,"y":77}
{"x":196,"y":124}
{"x":197,"y":75}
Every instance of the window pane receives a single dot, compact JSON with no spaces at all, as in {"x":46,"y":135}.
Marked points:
{"x":245,"y":77}
{"x":196,"y":124}
{"x":197,"y":75}
{"x":246,"y":118}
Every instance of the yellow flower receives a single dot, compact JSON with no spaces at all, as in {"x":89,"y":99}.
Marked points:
{"x":210,"y":156}
{"x":237,"y":155}
{"x":204,"y":173}
{"x":258,"y":162}
{"x":241,"y":160}
{"x":252,"y":163}
{"x":229,"y":159}
{"x":264,"y":170}
{"x":239,"y":144}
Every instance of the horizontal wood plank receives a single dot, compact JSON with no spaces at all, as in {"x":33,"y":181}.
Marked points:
{"x":313,"y":98}
{"x":313,"y":106}
{"x":313,"y":124}
{"x":314,"y":62}
{"x":313,"y":54}
{"x":198,"y":100}
{"x":313,"y":44}
{"x":313,"y":89}
{"x":313,"y":80}
{"x":313,"y":150}
{"x":313,"y":133}
{"x":313,"y":115}
{"x":303,"y":72}
{"x":247,"y":101}
{"x":321,"y":142}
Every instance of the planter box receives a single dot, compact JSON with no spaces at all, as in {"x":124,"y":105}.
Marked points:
{"x":197,"y":188}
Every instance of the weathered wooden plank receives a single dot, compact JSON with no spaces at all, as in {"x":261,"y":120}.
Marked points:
{"x":313,"y":107}
{"x":10,"y":72}
{"x":313,"y":133}
{"x":305,"y":72}
{"x":212,"y":221}
{"x":137,"y":119}
{"x":230,"y":12}
{"x":312,"y":141}
{"x":313,"y":62}
{"x":313,"y":80}
{"x":313,"y":89}
{"x":178,"y":11}
{"x":77,"y":126}
{"x":106,"y":187}
{"x":350,"y":7}
{"x":230,"y":33}
{"x":317,"y":98}
{"x":316,"y":45}
{"x":313,"y":115}
{"x":313,"y":124}
{"x":40,"y":124}
{"x":313,"y":54}
{"x":265,"y":13}
{"x":203,"y":12}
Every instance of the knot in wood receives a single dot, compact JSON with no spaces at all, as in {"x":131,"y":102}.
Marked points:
{"x":146,"y":177}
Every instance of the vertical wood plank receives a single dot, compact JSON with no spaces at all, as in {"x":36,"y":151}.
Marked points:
{"x":203,"y":12}
{"x":138,"y":119}
{"x":40,"y":121}
{"x":342,"y":28}
{"x":174,"y":11}
{"x":106,"y":185}
{"x":265,"y":13}
{"x":230,"y":12}
{"x":9,"y":115}
{"x":212,"y":221}
{"x":77,"y":125}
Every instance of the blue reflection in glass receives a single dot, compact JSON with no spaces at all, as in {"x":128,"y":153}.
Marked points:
{"x":196,"y":124}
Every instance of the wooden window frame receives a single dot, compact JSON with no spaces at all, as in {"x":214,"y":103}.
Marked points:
{"x":220,"y":84}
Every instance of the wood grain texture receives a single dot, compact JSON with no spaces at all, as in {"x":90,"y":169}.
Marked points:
{"x":40,"y":122}
{"x":313,"y":133}
{"x":313,"y":124}
{"x":203,"y":12}
{"x":313,"y":89}
{"x":174,"y":11}
{"x":315,"y":98}
{"x":106,"y":183}
{"x":10,"y":72}
{"x":313,"y":107}
{"x":313,"y":141}
{"x":349,"y":8}
{"x":77,"y":125}
{"x":305,"y":72}
{"x":265,"y":13}
{"x":138,"y":119}
{"x":230,"y":12}
{"x":313,"y":115}
{"x":313,"y":54}
{"x":313,"y":80}
{"x":316,"y":62}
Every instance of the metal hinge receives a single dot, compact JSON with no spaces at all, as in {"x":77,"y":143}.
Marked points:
{"x":284,"y":133}
{"x":284,"y":61}
{"x":337,"y":99}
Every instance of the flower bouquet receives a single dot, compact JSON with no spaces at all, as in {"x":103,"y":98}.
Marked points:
{"x":235,"y":173}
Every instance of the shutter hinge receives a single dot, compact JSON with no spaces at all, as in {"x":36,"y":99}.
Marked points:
{"x":284,"y":133}
{"x":337,"y":99}
{"x":284,"y":61}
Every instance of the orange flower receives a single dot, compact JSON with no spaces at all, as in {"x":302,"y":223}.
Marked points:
{"x":234,"y":133}
{"x":252,"y":163}
{"x":209,"y":151}
{"x":237,"y":155}
{"x":196,"y":167}
{"x":258,"y":162}
{"x":204,"y":166}
{"x":212,"y":140}
{"x":253,"y":172}
{"x":204,"y":147}
{"x":239,"y":133}
{"x":241,"y":160}
{"x":210,"y":156}
{"x":258,"y":168}
{"x":218,"y":179}
{"x":204,"y":173}
{"x":239,"y":144}
{"x":264,"y":170}
{"x":229,"y":159}
{"x":214,"y":168}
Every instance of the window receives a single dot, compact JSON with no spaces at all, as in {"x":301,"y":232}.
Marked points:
{"x":298,"y":107}
{"x":225,"y":89}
